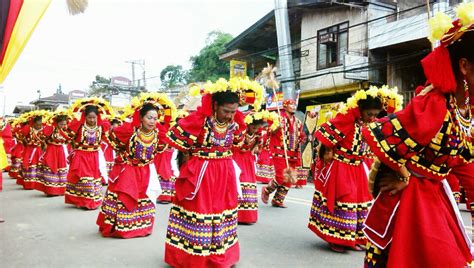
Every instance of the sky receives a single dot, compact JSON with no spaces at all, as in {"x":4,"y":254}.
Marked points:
{"x":72,"y":50}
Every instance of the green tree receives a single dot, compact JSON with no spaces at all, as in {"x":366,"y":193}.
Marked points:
{"x":207,"y":65}
{"x":99,"y":86}
{"x":172,"y":76}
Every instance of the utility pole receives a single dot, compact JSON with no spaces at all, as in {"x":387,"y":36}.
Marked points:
{"x":285,"y":57}
{"x":140,"y":62}
{"x":144,"y":77}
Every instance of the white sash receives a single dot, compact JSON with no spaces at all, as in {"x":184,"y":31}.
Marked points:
{"x":103,"y":166}
{"x":154,"y":186}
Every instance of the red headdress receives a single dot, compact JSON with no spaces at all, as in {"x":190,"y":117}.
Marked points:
{"x":437,"y":65}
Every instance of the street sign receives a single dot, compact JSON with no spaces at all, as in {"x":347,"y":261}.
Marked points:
{"x":76,"y":94}
{"x":120,"y":81}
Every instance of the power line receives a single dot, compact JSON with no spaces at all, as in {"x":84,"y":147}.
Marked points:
{"x":313,"y":60}
{"x":316,"y":36}
{"x":368,"y":67}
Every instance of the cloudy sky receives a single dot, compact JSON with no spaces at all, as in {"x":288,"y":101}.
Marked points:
{"x":71,"y":50}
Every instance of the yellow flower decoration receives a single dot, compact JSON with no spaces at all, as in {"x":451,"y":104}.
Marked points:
{"x":160,"y":100}
{"x":250,"y":92}
{"x":103,"y":105}
{"x":465,"y":13}
{"x":269,"y":117}
{"x":439,"y":25}
{"x":195,"y":90}
{"x":391,"y":100}
{"x":60,"y":112}
{"x":26,"y":117}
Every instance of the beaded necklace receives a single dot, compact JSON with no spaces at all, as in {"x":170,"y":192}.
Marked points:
{"x":464,"y":124}
{"x":91,"y":134}
{"x":144,"y":145}
{"x":220,"y":127}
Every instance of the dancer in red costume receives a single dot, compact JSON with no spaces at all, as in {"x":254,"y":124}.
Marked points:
{"x":17,"y":151}
{"x":128,"y":209}
{"x":6,"y":143}
{"x":342,"y":199}
{"x":202,"y":227}
{"x":34,"y":144}
{"x":294,"y":135}
{"x":54,"y":161}
{"x":414,"y":221}
{"x":265,"y":171}
{"x":243,"y":155}
{"x":164,"y":169}
{"x":84,"y":187}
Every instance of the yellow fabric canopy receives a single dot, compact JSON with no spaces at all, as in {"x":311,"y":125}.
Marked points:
{"x":30,"y":14}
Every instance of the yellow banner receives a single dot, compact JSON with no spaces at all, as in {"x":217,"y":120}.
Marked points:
{"x":238,"y":69}
{"x":324,"y":112}
{"x":30,"y":14}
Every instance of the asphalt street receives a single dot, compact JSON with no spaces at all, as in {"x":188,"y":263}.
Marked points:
{"x":42,"y":231}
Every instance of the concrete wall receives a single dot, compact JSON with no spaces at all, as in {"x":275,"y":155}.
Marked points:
{"x":314,"y":20}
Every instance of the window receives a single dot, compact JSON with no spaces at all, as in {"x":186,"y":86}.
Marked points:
{"x":332,"y":45}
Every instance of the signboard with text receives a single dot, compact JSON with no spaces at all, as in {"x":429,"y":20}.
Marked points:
{"x":274,"y":102}
{"x":238,"y":69}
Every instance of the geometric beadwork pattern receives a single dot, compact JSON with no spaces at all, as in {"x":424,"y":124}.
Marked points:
{"x":248,"y":201}
{"x":32,"y":174}
{"x":116,"y":214}
{"x":51,"y":179}
{"x":399,"y":147}
{"x":202,"y":234}
{"x":167,"y":187}
{"x":346,"y":221}
{"x":265,"y":171}
{"x":86,"y":187}
{"x":375,"y":257}
{"x":211,"y":142}
{"x":353,"y":155}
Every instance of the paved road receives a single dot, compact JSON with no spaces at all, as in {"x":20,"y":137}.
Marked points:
{"x":44,"y":232}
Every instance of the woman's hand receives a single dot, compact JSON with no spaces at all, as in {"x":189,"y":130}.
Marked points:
{"x":392,"y":184}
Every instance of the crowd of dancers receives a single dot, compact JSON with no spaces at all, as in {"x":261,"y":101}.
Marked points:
{"x":386,"y":178}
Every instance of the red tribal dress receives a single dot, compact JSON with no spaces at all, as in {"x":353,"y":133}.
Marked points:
{"x":163,"y":167}
{"x":34,"y":140}
{"x":265,"y":171}
{"x":421,"y":225}
{"x":202,"y":227}
{"x":17,"y":155}
{"x":84,"y":187}
{"x":342,"y":199}
{"x":294,"y":138}
{"x":54,"y":163}
{"x":128,"y":208}
{"x":6,"y":143}
{"x":245,"y":159}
